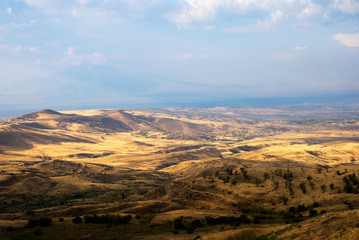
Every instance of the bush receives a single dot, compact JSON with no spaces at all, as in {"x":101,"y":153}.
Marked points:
{"x":190,"y":229}
{"x":196,"y":224}
{"x":315,"y":204}
{"x":284,"y":199}
{"x":42,"y":222}
{"x":37,"y":231}
{"x":178,"y":224}
{"x":45,"y":222}
{"x":10,"y":229}
{"x":32,"y":223}
{"x":77,"y":220}
{"x":313,"y":213}
{"x":30,"y":213}
{"x":227,"y":220}
{"x":301,"y":208}
{"x":108,"y":219}
{"x":303,"y":188}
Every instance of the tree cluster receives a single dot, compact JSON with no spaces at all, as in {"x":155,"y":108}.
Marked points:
{"x":110,"y":219}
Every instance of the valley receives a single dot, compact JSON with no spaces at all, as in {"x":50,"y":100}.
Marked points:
{"x":216,"y":173}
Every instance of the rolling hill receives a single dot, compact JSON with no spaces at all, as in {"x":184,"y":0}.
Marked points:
{"x":220,"y":173}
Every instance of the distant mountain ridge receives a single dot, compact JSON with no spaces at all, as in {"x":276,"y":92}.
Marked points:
{"x":23,"y":131}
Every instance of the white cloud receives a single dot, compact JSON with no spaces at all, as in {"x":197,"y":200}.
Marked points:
{"x":349,"y":40}
{"x":298,"y":48}
{"x":263,"y":10}
{"x":9,"y":10}
{"x":90,"y":8}
{"x":17,"y":49}
{"x":44,"y":4}
{"x":73,"y":59}
{"x":196,"y":10}
{"x":84,"y":2}
{"x":33,"y":49}
{"x":210,"y":27}
{"x":260,"y":25}
{"x":186,"y":56}
{"x":311,"y":9}
{"x":277,"y":16}
{"x":347,"y":6}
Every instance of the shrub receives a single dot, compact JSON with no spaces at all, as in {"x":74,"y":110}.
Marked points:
{"x":108,"y":219}
{"x":30,"y":213}
{"x":315,"y":204}
{"x":189,"y":229}
{"x":45,"y":222}
{"x":10,"y":229}
{"x":227,"y":220}
{"x":196,"y":224}
{"x":32,"y":223}
{"x":77,"y":220}
{"x":178,"y":224}
{"x":301,"y":208}
{"x":303,"y":188}
{"x":323,"y":188}
{"x":42,"y":222}
{"x":265,"y":176}
{"x":276,"y":184}
{"x":245,"y":173}
{"x":284,"y":199}
{"x":313,"y":213}
{"x":37,"y":231}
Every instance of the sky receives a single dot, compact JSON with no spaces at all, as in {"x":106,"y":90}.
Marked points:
{"x":68,"y":54}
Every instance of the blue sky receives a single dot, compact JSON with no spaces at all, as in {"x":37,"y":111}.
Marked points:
{"x":68,"y":54}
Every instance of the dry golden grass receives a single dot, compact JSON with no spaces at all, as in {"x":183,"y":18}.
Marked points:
{"x":174,"y":165}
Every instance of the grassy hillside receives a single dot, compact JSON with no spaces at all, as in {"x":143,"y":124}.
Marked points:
{"x":180,"y":174}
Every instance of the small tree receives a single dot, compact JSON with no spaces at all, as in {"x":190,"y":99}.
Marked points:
{"x":284,"y":199}
{"x":311,"y":184}
{"x":303,"y":187}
